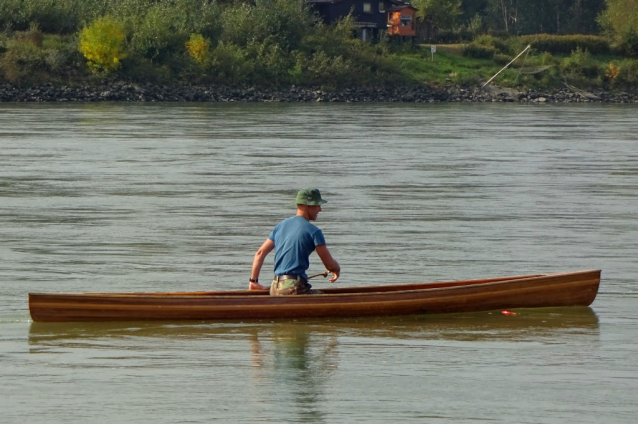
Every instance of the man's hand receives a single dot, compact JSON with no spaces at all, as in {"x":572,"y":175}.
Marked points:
{"x":329,"y":262}
{"x":334,"y":277}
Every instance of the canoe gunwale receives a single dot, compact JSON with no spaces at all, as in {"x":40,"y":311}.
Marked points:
{"x":454,"y":285}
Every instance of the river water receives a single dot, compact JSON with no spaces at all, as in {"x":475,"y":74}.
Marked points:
{"x":178,"y":197}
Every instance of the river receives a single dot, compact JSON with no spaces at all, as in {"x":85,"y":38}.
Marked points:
{"x":178,"y":197}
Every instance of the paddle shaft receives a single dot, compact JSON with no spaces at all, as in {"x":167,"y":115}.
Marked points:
{"x":323,"y":274}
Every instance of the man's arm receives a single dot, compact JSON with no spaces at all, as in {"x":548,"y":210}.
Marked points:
{"x":328,"y":261}
{"x":261,"y":254}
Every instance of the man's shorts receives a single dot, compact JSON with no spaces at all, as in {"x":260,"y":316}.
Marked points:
{"x":291,"y":287}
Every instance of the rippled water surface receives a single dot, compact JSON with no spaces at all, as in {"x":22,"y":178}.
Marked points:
{"x":116,"y":197}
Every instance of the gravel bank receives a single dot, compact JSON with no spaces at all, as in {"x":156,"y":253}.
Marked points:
{"x":131,"y":92}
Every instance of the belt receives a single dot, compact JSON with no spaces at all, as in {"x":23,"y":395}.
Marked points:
{"x":286,"y":277}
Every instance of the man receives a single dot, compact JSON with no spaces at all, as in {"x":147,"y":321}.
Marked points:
{"x":294,"y":239}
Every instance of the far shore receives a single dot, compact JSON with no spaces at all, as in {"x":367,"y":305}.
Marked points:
{"x":120,"y":91}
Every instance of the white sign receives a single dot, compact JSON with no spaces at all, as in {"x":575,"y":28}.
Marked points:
{"x":433,"y":49}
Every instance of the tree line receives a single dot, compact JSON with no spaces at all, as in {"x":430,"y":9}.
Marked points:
{"x":459,"y":20}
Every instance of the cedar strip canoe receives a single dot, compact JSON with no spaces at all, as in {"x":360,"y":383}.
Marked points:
{"x":526,"y":291}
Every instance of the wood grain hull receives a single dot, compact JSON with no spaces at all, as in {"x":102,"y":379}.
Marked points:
{"x":544,"y":290}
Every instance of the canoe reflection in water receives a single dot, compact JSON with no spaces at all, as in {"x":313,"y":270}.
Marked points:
{"x":475,"y":326}
{"x":291,"y":366}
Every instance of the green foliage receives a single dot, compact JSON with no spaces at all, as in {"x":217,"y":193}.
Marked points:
{"x":22,"y":61}
{"x":229,"y":63}
{"x":628,"y":72}
{"x":268,"y":42}
{"x":272,"y":62}
{"x":30,"y":56}
{"x":440,"y":14}
{"x":284,"y":22}
{"x":547,"y":59}
{"x":490,"y":41}
{"x":580,"y":64}
{"x":502,"y":59}
{"x":565,"y":44}
{"x":159,"y":31}
{"x":479,"y":51}
{"x":620,"y":21}
{"x":52,"y":16}
{"x":102,"y":44}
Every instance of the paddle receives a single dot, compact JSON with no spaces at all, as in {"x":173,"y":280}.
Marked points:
{"x":323,"y":274}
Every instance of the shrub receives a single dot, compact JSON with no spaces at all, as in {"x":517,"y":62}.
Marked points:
{"x":271,"y":61}
{"x":565,"y":44}
{"x":320,"y":64}
{"x":25,"y":60}
{"x":198,"y":47}
{"x":628,"y":71}
{"x":22,"y":62}
{"x":52,"y":16}
{"x":580,"y":64}
{"x":284,"y":21}
{"x":507,"y":46}
{"x":102,"y":44}
{"x":547,"y":59}
{"x":158,"y":32}
{"x":628,"y":42}
{"x":229,"y":63}
{"x":502,"y":59}
{"x":478,"y":51}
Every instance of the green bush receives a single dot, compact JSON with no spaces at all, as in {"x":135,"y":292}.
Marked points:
{"x":271,"y":62}
{"x":502,"y":59}
{"x":159,"y":32}
{"x":565,"y":44}
{"x":320,"y":64}
{"x":29,"y":56}
{"x":628,"y":71}
{"x":53,"y":16}
{"x":22,"y":62}
{"x":547,"y":59}
{"x":500,"y":45}
{"x":479,"y":51}
{"x":581,"y":64}
{"x":229,"y":63}
{"x":285,"y":22}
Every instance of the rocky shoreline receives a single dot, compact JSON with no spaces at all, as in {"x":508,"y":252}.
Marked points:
{"x":133,"y":92}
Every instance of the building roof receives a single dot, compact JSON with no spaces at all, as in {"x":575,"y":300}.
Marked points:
{"x":398,"y":8}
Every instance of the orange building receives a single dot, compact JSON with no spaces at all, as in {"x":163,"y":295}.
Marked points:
{"x":401,"y":20}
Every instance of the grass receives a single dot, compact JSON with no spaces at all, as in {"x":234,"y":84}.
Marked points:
{"x":451,"y":67}
{"x":448,"y":66}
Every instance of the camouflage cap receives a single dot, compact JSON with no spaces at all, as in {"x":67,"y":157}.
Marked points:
{"x":310,"y":197}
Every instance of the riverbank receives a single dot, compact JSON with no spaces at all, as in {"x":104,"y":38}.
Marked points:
{"x":133,"y":92}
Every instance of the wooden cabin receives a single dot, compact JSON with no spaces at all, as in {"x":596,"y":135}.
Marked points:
{"x":402,"y":21}
{"x":371,"y":16}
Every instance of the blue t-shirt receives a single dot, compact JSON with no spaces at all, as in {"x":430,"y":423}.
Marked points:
{"x":295,"y":239}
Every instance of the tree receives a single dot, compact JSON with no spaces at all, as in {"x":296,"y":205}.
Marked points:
{"x":620,"y":21}
{"x":436,"y":15}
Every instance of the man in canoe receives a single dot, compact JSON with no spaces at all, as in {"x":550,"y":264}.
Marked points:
{"x":294,"y":239}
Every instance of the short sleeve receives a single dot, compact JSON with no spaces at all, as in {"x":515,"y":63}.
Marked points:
{"x":318,"y":238}
{"x":272,"y":234}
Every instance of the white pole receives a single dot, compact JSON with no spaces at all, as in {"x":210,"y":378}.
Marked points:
{"x":519,"y":55}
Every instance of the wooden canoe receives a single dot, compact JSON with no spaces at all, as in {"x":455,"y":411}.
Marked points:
{"x":526,"y":291}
